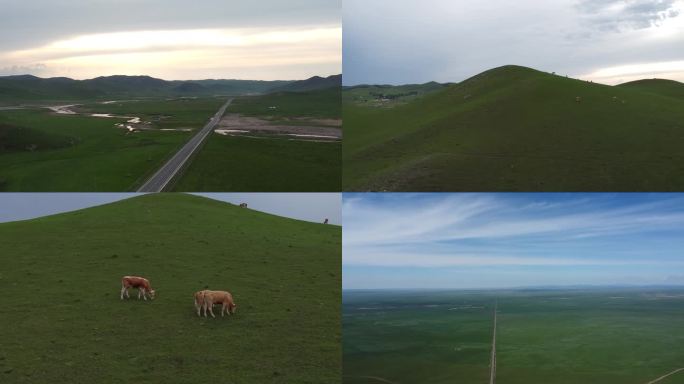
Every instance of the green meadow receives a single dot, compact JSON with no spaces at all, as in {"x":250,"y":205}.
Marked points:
{"x":553,"y":336}
{"x":518,"y":129}
{"x":61,"y":318}
{"x":44,"y":151}
{"x":271,"y":163}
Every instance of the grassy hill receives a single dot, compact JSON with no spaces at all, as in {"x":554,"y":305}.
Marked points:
{"x":311,"y":84}
{"x":657,"y":86}
{"x":27,"y":88}
{"x":518,"y":129}
{"x":61,"y":319}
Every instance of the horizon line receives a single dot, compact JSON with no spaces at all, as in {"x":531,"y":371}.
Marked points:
{"x":159,"y":78}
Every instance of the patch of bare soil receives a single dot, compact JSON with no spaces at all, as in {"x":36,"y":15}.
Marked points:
{"x":238,"y":125}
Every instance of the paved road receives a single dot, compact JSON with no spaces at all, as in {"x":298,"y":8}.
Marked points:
{"x":492,"y":364}
{"x":665,"y":376}
{"x":170,"y":169}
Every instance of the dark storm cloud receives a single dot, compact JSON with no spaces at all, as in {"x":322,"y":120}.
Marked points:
{"x":620,"y":14}
{"x":36,"y":22}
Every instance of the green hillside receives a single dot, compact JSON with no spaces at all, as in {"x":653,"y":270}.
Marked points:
{"x":518,"y":129}
{"x":61,"y":319}
{"x":658,"y":86}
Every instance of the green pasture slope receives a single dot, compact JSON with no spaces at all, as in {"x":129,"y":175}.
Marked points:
{"x":43,"y":151}
{"x":61,"y":319}
{"x":517,"y":129}
{"x":551,"y":336}
{"x":268,"y":164}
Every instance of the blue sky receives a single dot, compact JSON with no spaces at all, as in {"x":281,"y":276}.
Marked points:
{"x":606,"y":41}
{"x":511,"y":240}
{"x":313,"y":207}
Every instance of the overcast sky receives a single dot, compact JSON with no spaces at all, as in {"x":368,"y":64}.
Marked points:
{"x":171,"y":39}
{"x":511,"y":240}
{"x":314,"y":207}
{"x":607,"y":41}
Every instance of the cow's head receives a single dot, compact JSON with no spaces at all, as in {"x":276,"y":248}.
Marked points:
{"x":233,"y":308}
{"x":153,"y":293}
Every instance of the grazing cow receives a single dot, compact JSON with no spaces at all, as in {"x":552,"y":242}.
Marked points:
{"x":141,"y":283}
{"x":326,"y":221}
{"x":199,"y":301}
{"x":243,"y":205}
{"x":212,"y":298}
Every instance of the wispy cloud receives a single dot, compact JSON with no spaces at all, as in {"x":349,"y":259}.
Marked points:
{"x":483,"y":230}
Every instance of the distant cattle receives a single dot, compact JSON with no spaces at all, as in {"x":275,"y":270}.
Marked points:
{"x":325,"y":221}
{"x":212,"y":298}
{"x":141,"y":283}
{"x":243,"y":205}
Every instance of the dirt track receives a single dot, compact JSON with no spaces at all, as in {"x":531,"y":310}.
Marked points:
{"x":665,"y":376}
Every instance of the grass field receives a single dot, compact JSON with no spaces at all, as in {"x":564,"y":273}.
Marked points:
{"x":43,"y":151}
{"x":559,"y":336}
{"x":517,"y":129}
{"x":243,"y":164}
{"x":324,"y":103}
{"x":61,"y":319}
{"x":271,"y":163}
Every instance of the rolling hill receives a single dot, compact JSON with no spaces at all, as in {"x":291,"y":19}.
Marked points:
{"x":657,"y":86}
{"x":311,"y":84}
{"x":61,"y":318}
{"x":517,"y":129}
{"x":25,"y":88}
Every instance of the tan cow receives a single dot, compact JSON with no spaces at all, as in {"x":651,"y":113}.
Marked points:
{"x":199,"y":301}
{"x":212,"y":298}
{"x":141,"y":283}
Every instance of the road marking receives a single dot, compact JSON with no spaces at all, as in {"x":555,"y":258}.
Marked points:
{"x":664,"y":376}
{"x":185,"y":152}
{"x":492,"y":364}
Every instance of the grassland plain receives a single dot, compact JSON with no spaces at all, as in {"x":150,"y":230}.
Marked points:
{"x":271,"y":163}
{"x":552,"y":336}
{"x":415,"y":337}
{"x":44,"y":151}
{"x":517,"y":129}
{"x":61,"y":319}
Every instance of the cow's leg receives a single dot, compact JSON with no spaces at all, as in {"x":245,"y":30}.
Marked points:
{"x":144,"y":292}
{"x":139,"y":292}
{"x":123,"y":289}
{"x":211,"y":309}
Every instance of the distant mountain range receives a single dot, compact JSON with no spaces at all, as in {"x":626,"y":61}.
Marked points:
{"x":31,"y":88}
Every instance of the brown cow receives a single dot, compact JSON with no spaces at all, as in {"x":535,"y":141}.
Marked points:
{"x":212,"y":298}
{"x":141,"y":283}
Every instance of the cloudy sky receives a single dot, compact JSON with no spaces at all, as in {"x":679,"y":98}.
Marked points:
{"x":314,"y":207}
{"x":511,"y":240}
{"x":171,"y":39}
{"x":607,"y":41}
